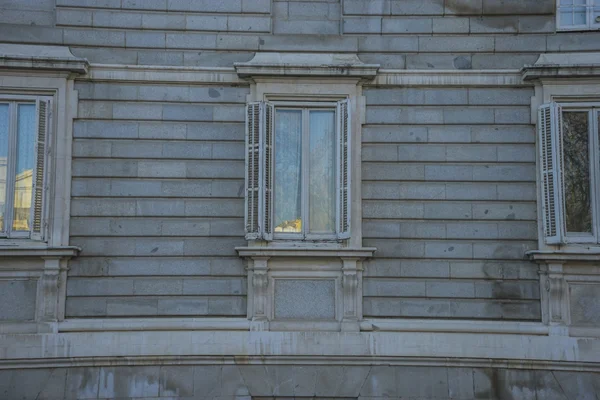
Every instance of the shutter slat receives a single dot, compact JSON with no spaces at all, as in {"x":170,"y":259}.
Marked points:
{"x":252,"y":171}
{"x":550,"y":136}
{"x":267,"y":142}
{"x":38,"y":224}
{"x":344,"y":158}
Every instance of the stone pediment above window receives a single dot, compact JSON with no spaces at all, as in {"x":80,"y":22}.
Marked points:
{"x":306,"y":65}
{"x":44,"y":58}
{"x":564,"y":66}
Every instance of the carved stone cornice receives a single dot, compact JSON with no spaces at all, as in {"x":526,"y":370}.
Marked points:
{"x":46,"y":58}
{"x":563,"y":66}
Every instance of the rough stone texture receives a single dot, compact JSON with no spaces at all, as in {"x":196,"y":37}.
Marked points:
{"x":585,"y":304}
{"x":304,"y":299}
{"x":236,"y":382}
{"x":437,"y":166}
{"x":17,"y":299}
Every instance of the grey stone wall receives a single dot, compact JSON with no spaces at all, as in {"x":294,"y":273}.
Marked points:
{"x":414,"y":34}
{"x":157,"y":201}
{"x":245,"y":382}
{"x":449,"y":202}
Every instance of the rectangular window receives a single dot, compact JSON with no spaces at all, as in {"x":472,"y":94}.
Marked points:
{"x":23,"y":135}
{"x":299,"y":169}
{"x":578,"y":14}
{"x":570,"y":146}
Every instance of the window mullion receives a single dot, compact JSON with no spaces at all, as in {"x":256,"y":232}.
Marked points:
{"x":11,"y":168}
{"x":305,"y":172}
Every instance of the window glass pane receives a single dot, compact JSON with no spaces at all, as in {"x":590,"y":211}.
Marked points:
{"x":577,"y":171}
{"x":322,"y":172}
{"x":580,"y":16}
{"x":566,"y":18}
{"x":288,"y":171}
{"x":24,"y":166}
{"x":3,"y":160}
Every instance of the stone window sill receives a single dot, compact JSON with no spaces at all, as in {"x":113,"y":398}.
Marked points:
{"x":580,"y":254}
{"x":28,"y":248}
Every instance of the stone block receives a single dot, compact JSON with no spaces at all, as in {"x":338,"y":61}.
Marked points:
{"x":389,"y":209}
{"x":30,"y":34}
{"x":470,"y":115}
{"x":362,"y":25}
{"x":227,"y":113}
{"x":500,"y":250}
{"x":256,"y":6}
{"x":109,"y":19}
{"x":94,"y":38}
{"x":163,"y":130}
{"x":206,"y":22}
{"x":499,"y":96}
{"x":18,"y":299}
{"x":463,"y":7}
{"x":164,"y":21}
{"x":404,"y":115}
{"x":393,"y":288}
{"x":508,"y":290}
{"x":537,"y":24}
{"x":447,"y":210}
{"x":249,"y":24}
{"x":135,"y":381}
{"x":379,"y":153}
{"x":183,"y":306}
{"x":517,"y":191}
{"x":380,"y":44}
{"x":394,"y":248}
{"x":456,"y":44}
{"x":158,"y":5}
{"x":501,"y":61}
{"x":237,"y":42}
{"x":512,"y":115}
{"x":214,"y":208}
{"x":380,"y":229}
{"x":494,"y":25}
{"x":153,"y":57}
{"x":145,"y":39}
{"x":417,"y":7}
{"x":209,"y":287}
{"x":229,"y":306}
{"x":406,"y":25}
{"x":471,"y":191}
{"x":161,"y":169}
{"x":372,"y":7}
{"x":472,"y":230}
{"x":498,"y":134}
{"x":393,"y":134}
{"x":85,"y":307}
{"x":450,"y":289}
{"x":396,"y":171}
{"x":449,"y":134}
{"x":448,"y":249}
{"x":471,"y":153}
{"x":504,"y":173}
{"x":187,"y":112}
{"x":140,"y":111}
{"x":516,"y":7}
{"x":308,"y":10}
{"x":198,"y":41}
{"x":106,"y":55}
{"x":424,"y":382}
{"x":304,"y":299}
{"x":157,"y":287}
{"x":521,"y":43}
{"x":449,"y":172}
{"x":453,"y":25}
{"x":230,"y":6}
{"x":90,"y":3}
{"x":380,"y":382}
{"x":306,"y":27}
{"x":386,"y":60}
{"x":517,"y":153}
{"x":104,"y":168}
{"x":73,"y":17}
{"x":176,"y":381}
{"x":82,"y":383}
{"x":316,"y":43}
{"x":131,"y":307}
{"x":504,"y":211}
{"x":100,"y":287}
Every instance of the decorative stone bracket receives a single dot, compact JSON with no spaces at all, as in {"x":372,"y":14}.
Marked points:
{"x":335,"y":274}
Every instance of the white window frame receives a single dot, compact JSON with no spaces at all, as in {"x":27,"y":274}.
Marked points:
{"x":14,"y":100}
{"x":591,"y":23}
{"x":562,"y":236}
{"x":304,"y":103}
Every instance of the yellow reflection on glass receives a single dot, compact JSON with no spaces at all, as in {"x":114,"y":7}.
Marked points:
{"x":3,"y":160}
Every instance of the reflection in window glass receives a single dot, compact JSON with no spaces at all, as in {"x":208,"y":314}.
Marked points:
{"x":24,"y":166}
{"x":322,"y":172}
{"x":288,"y":175}
{"x":3,"y":159}
{"x":573,"y":12}
{"x":577,"y":171}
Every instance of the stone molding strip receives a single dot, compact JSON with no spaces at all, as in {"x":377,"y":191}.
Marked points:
{"x":223,"y":75}
{"x":34,"y":57}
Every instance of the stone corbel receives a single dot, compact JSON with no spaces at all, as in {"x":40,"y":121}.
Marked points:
{"x":351,"y":293}
{"x":50,"y":301}
{"x":258,"y":282}
{"x":553,"y":290}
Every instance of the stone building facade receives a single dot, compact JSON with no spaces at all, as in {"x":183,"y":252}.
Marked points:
{"x":458,"y":256}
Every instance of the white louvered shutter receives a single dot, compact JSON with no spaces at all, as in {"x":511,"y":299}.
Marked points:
{"x":38,"y":214}
{"x":253,"y":187}
{"x":267,"y":117}
{"x":344,"y":169}
{"x":551,"y":156}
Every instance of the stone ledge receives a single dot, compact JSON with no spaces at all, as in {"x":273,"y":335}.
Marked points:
{"x":307,"y":65}
{"x":306,"y":251}
{"x":564,"y":66}
{"x":47,"y":58}
{"x":559,"y":256}
{"x":29,"y":250}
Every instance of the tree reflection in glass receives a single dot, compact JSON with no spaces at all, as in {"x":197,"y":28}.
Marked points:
{"x":577,"y":171}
